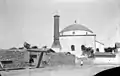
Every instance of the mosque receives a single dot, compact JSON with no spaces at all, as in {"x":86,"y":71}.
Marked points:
{"x":74,"y":36}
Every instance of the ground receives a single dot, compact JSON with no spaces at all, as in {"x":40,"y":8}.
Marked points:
{"x":88,"y":69}
{"x":85,"y":70}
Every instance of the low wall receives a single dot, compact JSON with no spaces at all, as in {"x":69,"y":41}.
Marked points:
{"x":18,"y":59}
{"x":106,"y":61}
{"x":55,"y":59}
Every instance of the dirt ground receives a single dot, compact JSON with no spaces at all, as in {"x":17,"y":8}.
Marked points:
{"x":85,"y":70}
{"x":88,"y":69}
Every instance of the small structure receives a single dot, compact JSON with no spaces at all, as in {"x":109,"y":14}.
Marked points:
{"x":108,"y":57}
{"x":37,"y":56}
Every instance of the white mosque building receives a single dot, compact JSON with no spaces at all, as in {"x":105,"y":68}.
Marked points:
{"x":76,"y":35}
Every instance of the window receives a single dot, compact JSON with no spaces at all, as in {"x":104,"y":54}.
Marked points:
{"x":73,"y":47}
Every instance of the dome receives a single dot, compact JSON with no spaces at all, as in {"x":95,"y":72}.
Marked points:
{"x":74,"y":27}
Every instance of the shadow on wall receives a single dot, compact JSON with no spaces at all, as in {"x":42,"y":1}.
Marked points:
{"x":110,"y":72}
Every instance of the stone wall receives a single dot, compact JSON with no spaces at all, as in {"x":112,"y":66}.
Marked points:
{"x":55,"y":59}
{"x":19,"y":59}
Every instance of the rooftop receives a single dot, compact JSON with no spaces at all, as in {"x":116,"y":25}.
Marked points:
{"x":76,"y":26}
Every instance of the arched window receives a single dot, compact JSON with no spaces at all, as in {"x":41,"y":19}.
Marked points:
{"x":97,"y":49}
{"x":73,"y":47}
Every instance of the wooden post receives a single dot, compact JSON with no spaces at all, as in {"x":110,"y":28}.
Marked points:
{"x":40,"y":59}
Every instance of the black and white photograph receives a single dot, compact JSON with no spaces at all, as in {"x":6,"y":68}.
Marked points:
{"x":59,"y":37}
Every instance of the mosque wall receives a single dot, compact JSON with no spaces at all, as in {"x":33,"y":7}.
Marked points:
{"x":66,"y":43}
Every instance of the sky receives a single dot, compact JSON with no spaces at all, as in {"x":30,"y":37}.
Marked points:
{"x":32,"y":20}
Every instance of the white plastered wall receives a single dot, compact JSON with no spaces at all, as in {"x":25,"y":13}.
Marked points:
{"x":101,"y":47}
{"x":66,"y":42}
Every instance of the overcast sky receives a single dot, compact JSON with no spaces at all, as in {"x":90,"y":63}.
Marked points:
{"x":32,"y":20}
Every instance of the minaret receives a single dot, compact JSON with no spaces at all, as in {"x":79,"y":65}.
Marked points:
{"x":56,"y":43}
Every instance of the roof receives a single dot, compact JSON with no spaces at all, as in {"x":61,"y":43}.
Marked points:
{"x":74,"y":27}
